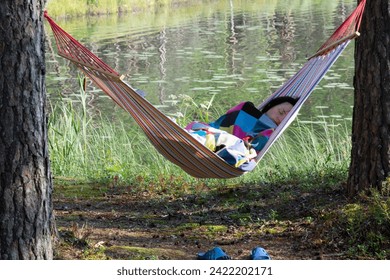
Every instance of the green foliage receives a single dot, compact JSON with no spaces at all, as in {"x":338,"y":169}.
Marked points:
{"x":71,"y":8}
{"x":365,"y":225}
{"x":136,"y":253}
{"x":306,"y":153}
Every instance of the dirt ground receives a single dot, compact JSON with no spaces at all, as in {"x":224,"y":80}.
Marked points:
{"x":98,"y":222}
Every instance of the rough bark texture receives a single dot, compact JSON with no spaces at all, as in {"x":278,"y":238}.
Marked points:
{"x":370,"y":162}
{"x":26,"y":216}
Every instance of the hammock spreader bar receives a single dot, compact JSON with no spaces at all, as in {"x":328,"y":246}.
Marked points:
{"x":172,"y":141}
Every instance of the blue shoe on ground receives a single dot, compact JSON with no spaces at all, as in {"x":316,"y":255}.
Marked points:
{"x":214,"y":254}
{"x":259,"y":253}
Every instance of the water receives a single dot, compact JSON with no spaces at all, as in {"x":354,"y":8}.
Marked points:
{"x":223,"y":51}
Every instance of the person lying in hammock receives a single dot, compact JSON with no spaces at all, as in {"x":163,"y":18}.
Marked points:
{"x":240,"y":134}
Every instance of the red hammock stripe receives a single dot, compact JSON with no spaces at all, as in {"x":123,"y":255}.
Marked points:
{"x":347,"y":28}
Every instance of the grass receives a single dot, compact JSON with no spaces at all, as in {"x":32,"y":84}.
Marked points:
{"x":362,"y":226}
{"x":95,"y":148}
{"x":75,"y":8}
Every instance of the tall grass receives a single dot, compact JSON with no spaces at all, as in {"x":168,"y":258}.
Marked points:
{"x":92,"y":147}
{"x":73,"y":8}
{"x":307,"y":152}
{"x":89,"y":147}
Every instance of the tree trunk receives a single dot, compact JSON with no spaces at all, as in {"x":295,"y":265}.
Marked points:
{"x":26,"y":219}
{"x":370,"y":157}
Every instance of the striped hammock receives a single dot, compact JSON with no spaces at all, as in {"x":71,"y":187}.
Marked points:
{"x":172,"y":141}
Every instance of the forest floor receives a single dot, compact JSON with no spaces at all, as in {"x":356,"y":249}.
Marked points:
{"x":291,"y":222}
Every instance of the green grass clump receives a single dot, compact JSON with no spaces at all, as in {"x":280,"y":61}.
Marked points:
{"x":307,"y":153}
{"x":75,"y":8}
{"x":363,"y":224}
{"x":100,"y":150}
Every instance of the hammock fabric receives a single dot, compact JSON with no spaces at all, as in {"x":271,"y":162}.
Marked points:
{"x":172,"y":141}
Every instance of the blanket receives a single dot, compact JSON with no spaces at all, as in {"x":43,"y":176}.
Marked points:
{"x":232,"y":149}
{"x":237,"y":136}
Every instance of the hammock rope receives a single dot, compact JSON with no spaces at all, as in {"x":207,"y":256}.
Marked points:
{"x":172,"y":141}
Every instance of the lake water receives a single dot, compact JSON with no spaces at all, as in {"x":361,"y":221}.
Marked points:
{"x":223,"y":51}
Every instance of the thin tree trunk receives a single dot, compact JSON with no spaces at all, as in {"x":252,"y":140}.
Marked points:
{"x":26,"y":219}
{"x":370,"y":157}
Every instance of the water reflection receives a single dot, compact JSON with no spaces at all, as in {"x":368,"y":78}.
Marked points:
{"x":162,"y":50}
{"x":283,"y":23}
{"x":233,"y":50}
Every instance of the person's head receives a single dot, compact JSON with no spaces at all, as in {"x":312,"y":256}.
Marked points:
{"x":278,"y":108}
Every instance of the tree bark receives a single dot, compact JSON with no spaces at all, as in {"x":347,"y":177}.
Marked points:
{"x":26,"y":219}
{"x":370,"y":156}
